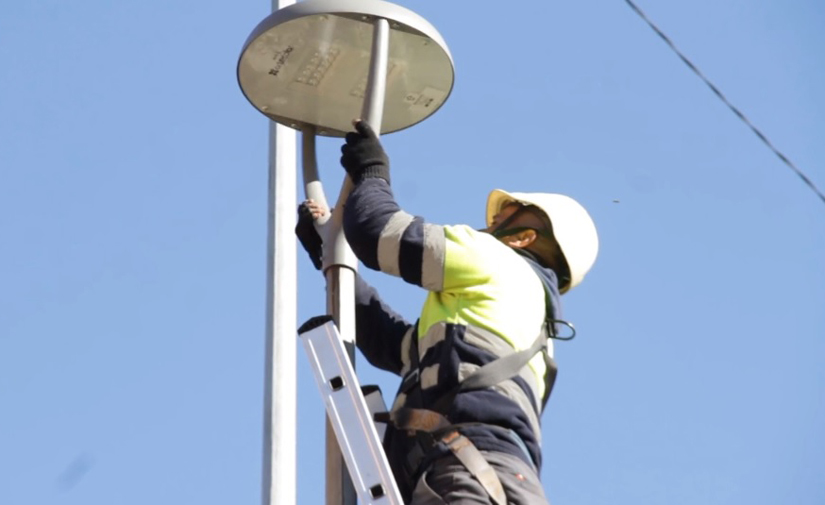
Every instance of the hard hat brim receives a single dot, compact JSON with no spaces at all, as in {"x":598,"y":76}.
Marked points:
{"x":572,"y":227}
{"x":497,"y":200}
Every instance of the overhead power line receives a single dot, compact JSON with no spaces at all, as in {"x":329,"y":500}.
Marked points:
{"x":722,"y":97}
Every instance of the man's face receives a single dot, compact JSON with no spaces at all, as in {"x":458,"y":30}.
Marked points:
{"x":523,"y":227}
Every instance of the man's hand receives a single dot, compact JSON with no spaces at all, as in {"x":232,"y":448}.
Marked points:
{"x":308,"y":212}
{"x":362,"y":155}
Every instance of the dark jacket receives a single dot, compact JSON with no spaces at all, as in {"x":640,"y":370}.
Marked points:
{"x":485,"y":301}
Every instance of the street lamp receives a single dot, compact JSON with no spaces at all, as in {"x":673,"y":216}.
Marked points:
{"x":314,"y":66}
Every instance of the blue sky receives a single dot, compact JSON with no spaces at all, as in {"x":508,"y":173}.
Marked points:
{"x":133,"y":221}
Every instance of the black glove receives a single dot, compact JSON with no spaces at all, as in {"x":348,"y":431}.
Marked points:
{"x":363,"y":157}
{"x":308,"y":235}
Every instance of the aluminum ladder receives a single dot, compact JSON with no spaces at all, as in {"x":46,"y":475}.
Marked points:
{"x":350,"y":412}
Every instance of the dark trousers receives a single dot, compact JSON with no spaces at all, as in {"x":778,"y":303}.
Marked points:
{"x":448,"y":482}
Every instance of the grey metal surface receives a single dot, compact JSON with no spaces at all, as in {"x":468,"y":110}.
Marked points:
{"x":279,"y":451}
{"x":372,"y":110}
{"x":280,"y":374}
{"x":341,"y":306}
{"x":308,"y":64}
{"x":350,"y":417}
{"x":279,"y":454}
{"x":313,"y":189}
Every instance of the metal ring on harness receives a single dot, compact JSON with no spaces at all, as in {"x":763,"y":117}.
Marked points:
{"x":555,"y":335}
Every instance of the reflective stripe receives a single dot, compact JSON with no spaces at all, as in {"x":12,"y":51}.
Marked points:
{"x":389,"y":243}
{"x":399,"y":402}
{"x":432,"y":263}
{"x":405,"y":351}
{"x":435,"y":334}
{"x":514,"y":392}
{"x":429,"y":376}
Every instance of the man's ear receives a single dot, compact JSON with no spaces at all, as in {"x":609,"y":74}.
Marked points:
{"x":522,"y":239}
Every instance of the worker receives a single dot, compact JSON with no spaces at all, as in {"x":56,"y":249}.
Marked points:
{"x":478,"y":364}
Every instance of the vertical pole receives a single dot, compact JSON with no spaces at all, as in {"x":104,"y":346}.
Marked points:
{"x":313,"y":189}
{"x":340,"y":304}
{"x":339,"y":268}
{"x":373,"y":111}
{"x":280,"y":377}
{"x":280,"y":404}
{"x":340,"y":262}
{"x":340,"y":265}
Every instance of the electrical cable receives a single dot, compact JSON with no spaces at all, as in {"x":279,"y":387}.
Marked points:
{"x":722,"y":97}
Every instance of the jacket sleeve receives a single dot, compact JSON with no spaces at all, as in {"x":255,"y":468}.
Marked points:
{"x":386,"y":238}
{"x":379,"y":330}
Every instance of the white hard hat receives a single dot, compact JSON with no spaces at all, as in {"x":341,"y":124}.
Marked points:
{"x":573,"y":228}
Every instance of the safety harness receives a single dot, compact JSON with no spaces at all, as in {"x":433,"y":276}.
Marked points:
{"x":430,"y":427}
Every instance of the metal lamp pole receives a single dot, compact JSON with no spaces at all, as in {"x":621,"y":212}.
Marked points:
{"x":280,"y":377}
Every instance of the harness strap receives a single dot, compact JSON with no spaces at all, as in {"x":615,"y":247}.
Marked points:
{"x":422,"y":420}
{"x":474,"y":462}
{"x":409,"y":419}
{"x":502,"y":369}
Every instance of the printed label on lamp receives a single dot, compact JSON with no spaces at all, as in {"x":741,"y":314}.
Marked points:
{"x":425,"y":101}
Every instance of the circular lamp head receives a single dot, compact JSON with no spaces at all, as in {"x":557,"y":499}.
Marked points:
{"x":307,"y":65}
